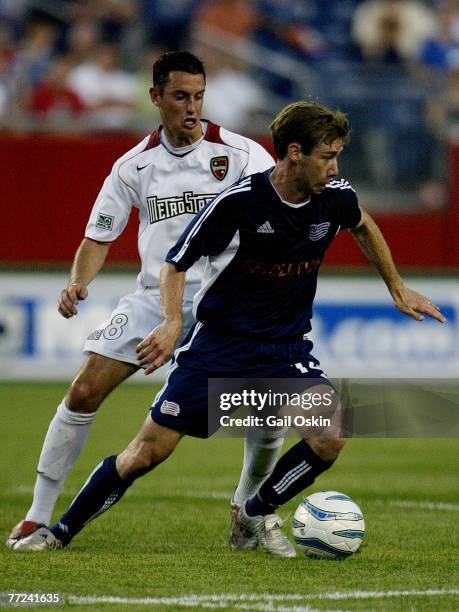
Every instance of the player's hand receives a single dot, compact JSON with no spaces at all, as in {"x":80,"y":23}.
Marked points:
{"x":413,"y":304}
{"x":69,"y":298}
{"x":158,"y":346}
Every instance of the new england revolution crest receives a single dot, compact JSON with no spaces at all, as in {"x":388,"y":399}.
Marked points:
{"x":219,"y":167}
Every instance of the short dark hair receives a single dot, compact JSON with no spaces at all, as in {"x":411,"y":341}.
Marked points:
{"x":183,"y":61}
{"x":309,"y":124}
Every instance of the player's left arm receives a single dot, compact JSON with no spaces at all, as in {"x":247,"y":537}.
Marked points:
{"x":371,"y":241}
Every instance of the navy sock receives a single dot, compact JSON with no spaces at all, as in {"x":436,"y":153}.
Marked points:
{"x":99,"y":493}
{"x":295,"y":470}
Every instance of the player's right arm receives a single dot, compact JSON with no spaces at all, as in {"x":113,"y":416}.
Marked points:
{"x":209,"y":233}
{"x":157,"y":347}
{"x":88,"y":261}
{"x":107,"y":221}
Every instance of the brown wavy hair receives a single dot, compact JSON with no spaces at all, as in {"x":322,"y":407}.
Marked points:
{"x":309,"y":124}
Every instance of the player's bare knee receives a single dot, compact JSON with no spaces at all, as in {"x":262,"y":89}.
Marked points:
{"x":139,"y":458}
{"x":152,"y":445}
{"x":327,"y":449}
{"x":133,"y":461}
{"x":83,"y":396}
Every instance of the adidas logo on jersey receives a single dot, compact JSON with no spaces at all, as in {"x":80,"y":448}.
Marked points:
{"x":265,"y":228}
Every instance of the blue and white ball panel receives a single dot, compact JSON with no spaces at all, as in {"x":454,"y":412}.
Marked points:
{"x":328,"y":525}
{"x":316,"y":547}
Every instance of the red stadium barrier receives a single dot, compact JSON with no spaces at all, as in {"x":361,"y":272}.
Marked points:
{"x":49,"y":184}
{"x":416,"y":239}
{"x":451,"y":235}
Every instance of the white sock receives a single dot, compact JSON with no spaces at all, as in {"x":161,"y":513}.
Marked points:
{"x":261,"y":452}
{"x":67,"y":434}
{"x":45,"y":494}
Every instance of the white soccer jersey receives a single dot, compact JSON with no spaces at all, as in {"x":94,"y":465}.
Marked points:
{"x":168,"y":189}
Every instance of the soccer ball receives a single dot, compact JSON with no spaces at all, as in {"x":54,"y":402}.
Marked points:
{"x":328,"y":525}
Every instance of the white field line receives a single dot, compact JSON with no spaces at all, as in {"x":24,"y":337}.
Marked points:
{"x":226,"y":495}
{"x":28,"y":490}
{"x":258,"y":601}
{"x":424,"y":505}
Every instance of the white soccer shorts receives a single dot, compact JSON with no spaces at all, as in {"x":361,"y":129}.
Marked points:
{"x":135,"y":316}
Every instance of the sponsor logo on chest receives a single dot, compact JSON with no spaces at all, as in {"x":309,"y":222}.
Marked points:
{"x":283,"y":268}
{"x":188,"y":203}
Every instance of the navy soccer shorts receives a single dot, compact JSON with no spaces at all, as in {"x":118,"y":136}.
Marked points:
{"x":182,"y":403}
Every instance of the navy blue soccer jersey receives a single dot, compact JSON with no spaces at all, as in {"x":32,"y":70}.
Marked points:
{"x":263,"y":256}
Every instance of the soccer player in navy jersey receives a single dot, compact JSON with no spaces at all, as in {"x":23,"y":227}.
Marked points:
{"x":264,"y":238}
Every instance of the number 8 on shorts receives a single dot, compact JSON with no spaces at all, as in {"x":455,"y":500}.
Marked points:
{"x":115,"y":329}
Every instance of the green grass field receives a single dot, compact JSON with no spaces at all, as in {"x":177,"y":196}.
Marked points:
{"x":164,"y":546}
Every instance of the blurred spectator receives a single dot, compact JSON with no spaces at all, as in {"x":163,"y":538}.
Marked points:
{"x":235,"y":17}
{"x":85,"y":22}
{"x":285,"y":26}
{"x":439,"y":63}
{"x":114,"y":16}
{"x":7,"y":53}
{"x":53,"y":103}
{"x":333,"y":20}
{"x":5,"y":91}
{"x":392,"y":30}
{"x":12,"y":14}
{"x":440,"y":52}
{"x":108,"y":91}
{"x":7,"y":50}
{"x":232,"y":96}
{"x":146,"y":114}
{"x":33,"y":55}
{"x":396,"y":146}
{"x":82,"y":38}
{"x":285,"y":29}
{"x":167,"y":22}
{"x":119,"y":22}
{"x":35,"y":50}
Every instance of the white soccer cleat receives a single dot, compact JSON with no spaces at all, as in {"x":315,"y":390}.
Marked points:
{"x":22,"y":530}
{"x":239,"y":537}
{"x":268,"y":531}
{"x":39,"y":539}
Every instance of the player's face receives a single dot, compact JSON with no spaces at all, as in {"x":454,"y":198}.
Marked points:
{"x":180,"y":106}
{"x":316,"y":170}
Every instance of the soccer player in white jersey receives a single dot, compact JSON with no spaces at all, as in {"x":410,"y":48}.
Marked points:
{"x":169,"y":176}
